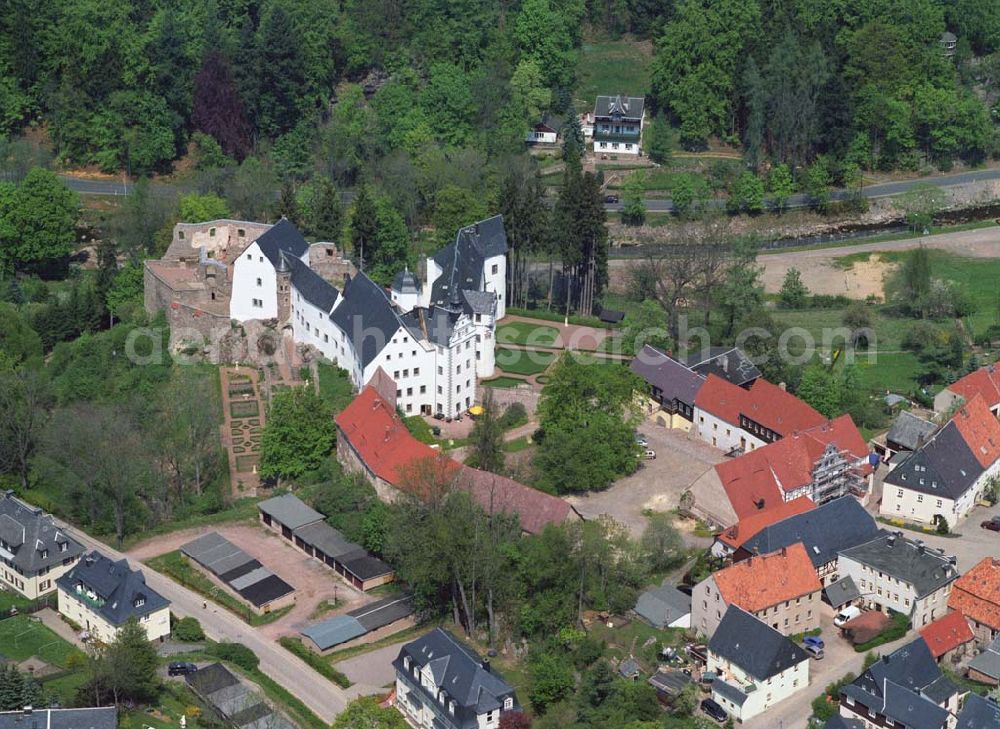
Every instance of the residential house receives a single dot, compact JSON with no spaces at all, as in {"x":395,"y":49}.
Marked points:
{"x":824,"y":531}
{"x":373,"y":440}
{"x":730,"y":540}
{"x":665,"y":607}
{"x":976,"y":595}
{"x":307,"y":529}
{"x":618,"y":125}
{"x":780,"y":588}
{"x":100,"y":595}
{"x":979,"y":712}
{"x":542,"y":132}
{"x":103,"y":717}
{"x":34,"y":551}
{"x":899,"y":574}
{"x":755,"y":665}
{"x":984,"y":382}
{"x":902,"y":689}
{"x":672,"y":387}
{"x":442,"y":684}
{"x":949,"y":637}
{"x":947,"y":475}
{"x":587,"y":125}
{"x":823,"y":462}
{"x":985,"y":667}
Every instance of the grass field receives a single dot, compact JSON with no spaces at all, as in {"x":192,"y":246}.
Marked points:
{"x":523,"y":362}
{"x":612,"y":67}
{"x":22,"y":637}
{"x":9,"y":599}
{"x":522,"y":332}
{"x":503,"y":382}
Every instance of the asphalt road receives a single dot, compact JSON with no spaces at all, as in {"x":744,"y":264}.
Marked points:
{"x":323,"y":697}
{"x":121,"y":188}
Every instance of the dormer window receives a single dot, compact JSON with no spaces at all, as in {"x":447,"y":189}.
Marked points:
{"x":139,"y":601}
{"x":62,"y":546}
{"x":406,"y":663}
{"x":508,"y":704}
{"x":45,"y":554}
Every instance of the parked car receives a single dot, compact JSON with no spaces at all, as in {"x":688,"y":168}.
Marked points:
{"x":650,"y":454}
{"x":848,"y":613}
{"x":813,"y":640}
{"x":992,"y":524}
{"x":611,"y":199}
{"x":641,"y":440}
{"x":713,"y":709}
{"x":181,"y":668}
{"x":814,"y":651}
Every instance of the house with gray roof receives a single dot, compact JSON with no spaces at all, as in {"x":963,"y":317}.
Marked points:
{"x":34,"y":550}
{"x":756,"y":666}
{"x":665,"y":607}
{"x":979,"y":712}
{"x":103,"y":717}
{"x":672,"y":386}
{"x":618,"y":124}
{"x":908,"y":433}
{"x":906,"y":687}
{"x":985,"y":666}
{"x":730,"y":363}
{"x":442,"y":683}
{"x":824,"y":531}
{"x":897,"y":574}
{"x":101,"y":595}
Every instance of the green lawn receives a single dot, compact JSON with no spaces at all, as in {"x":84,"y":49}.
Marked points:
{"x":523,"y":362}
{"x":611,"y":67}
{"x":516,"y":445}
{"x":503,"y":382}
{"x":335,"y":386}
{"x":22,"y":637}
{"x":10,"y":599}
{"x":522,"y":332}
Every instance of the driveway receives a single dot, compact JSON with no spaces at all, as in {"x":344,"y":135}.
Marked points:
{"x":374,"y":670}
{"x":657,"y":485}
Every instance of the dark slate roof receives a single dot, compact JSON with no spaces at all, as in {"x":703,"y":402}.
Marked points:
{"x":210,"y":679}
{"x":754,"y":646}
{"x":729,"y":363}
{"x":727,"y":691}
{"x":944,"y":466}
{"x":281,"y":237}
{"x":988,"y":662}
{"x":672,"y":378}
{"x":266,"y":590}
{"x":116,"y":584}
{"x":905,"y":686}
{"x":838,"y":722}
{"x":842,"y":592}
{"x":325,"y":538}
{"x":367,"y":317}
{"x":406,"y":282}
{"x":628,"y":107}
{"x":29,"y":533}
{"x":314,"y":289}
{"x":479,"y":302}
{"x":979,"y":713}
{"x":365,"y":566}
{"x":462,"y":262}
{"x":459,"y":671}
{"x":105,"y":717}
{"x":383,"y":612}
{"x":909,"y":431}
{"x":436,"y":322}
{"x":824,"y":531}
{"x":662,"y":606}
{"x":669,"y":682}
{"x":290,"y":510}
{"x":904,"y":559}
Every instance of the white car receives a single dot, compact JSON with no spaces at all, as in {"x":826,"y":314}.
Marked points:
{"x":847,"y":614}
{"x":650,"y":454}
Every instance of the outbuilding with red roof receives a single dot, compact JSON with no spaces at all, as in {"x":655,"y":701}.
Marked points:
{"x":948,"y":637}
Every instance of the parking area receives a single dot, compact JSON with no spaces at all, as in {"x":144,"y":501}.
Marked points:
{"x":657,"y":485}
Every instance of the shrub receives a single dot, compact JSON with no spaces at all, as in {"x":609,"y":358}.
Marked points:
{"x":513,"y":416}
{"x":188,"y":630}
{"x":237,"y":654}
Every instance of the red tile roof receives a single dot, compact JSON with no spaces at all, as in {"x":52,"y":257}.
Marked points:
{"x":764,"y":403}
{"x":946,"y":633}
{"x":758,"y":480}
{"x":722,"y":399}
{"x":984,"y":381}
{"x":747,"y":528}
{"x":760,"y":582}
{"x":976,"y":594}
{"x":374,"y":430}
{"x":980,"y":430}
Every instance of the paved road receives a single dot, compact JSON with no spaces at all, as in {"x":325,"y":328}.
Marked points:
{"x":324,"y":698}
{"x":159,"y":189}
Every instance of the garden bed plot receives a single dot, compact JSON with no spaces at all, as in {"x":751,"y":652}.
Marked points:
{"x":244,"y":408}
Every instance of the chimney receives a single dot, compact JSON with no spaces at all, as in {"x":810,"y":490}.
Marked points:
{"x":784,"y":551}
{"x":890,"y":540}
{"x":885,"y":659}
{"x":782,"y":386}
{"x":486,"y":665}
{"x":27,"y":710}
{"x":921,"y":549}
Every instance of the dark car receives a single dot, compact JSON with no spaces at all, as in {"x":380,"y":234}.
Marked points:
{"x":180,"y":668}
{"x":713,"y":709}
{"x":612,"y":199}
{"x":992,"y":524}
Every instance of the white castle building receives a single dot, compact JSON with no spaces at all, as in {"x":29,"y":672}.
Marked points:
{"x":435,"y":337}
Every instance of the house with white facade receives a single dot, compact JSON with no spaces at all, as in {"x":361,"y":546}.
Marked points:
{"x":101,"y":595}
{"x":756,"y":666}
{"x":34,"y":551}
{"x":618,"y":124}
{"x":947,"y":475}
{"x":442,"y":684}
{"x":893,"y":573}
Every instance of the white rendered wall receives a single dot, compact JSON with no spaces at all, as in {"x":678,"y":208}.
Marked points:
{"x":250,"y":266}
